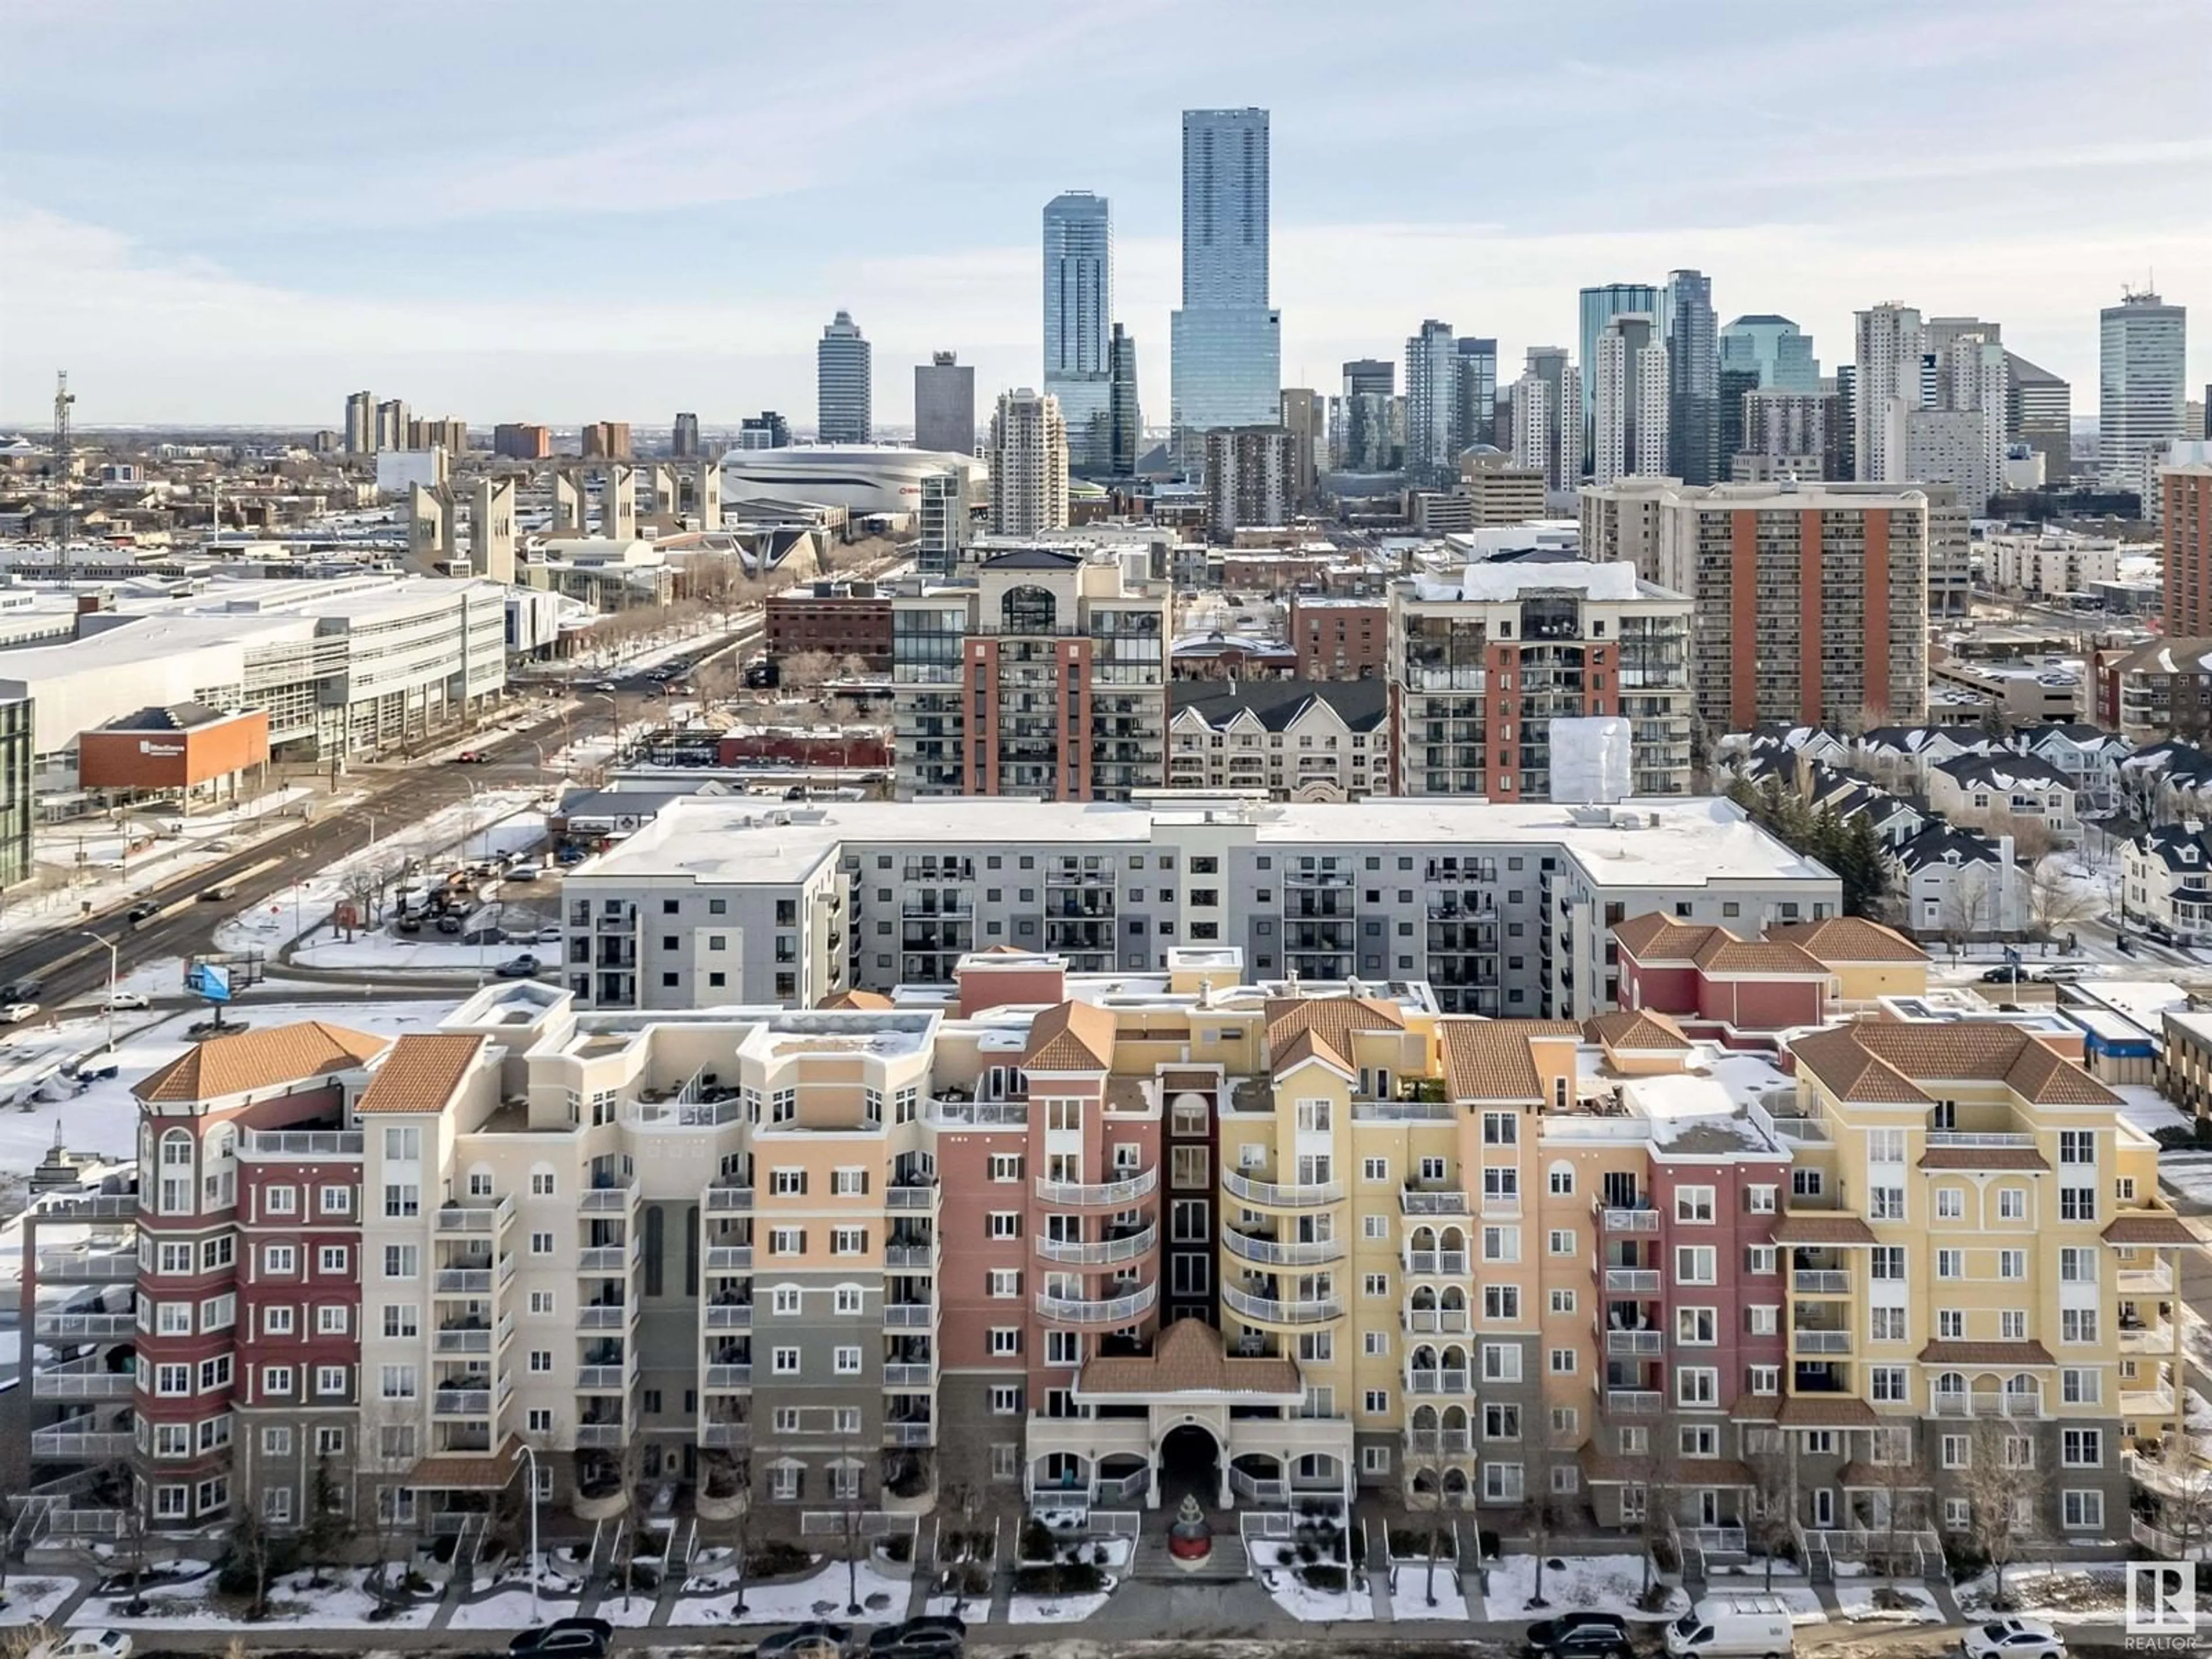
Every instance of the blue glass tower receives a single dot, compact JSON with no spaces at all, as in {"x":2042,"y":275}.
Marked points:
{"x":1225,"y":349}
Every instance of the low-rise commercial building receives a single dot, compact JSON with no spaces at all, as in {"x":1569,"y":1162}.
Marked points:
{"x":838,"y":619}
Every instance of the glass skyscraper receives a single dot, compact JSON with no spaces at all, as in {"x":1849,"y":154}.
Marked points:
{"x":1226,"y":344}
{"x":1078,"y":310}
{"x":1777,"y":348}
{"x":2142,"y":349}
{"x":1600,"y":305}
{"x":1693,"y":370}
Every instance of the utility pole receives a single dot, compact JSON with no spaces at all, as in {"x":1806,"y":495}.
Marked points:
{"x":65,"y":461}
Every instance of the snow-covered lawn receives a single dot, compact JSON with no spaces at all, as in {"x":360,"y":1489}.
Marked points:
{"x":2056,"y":1590}
{"x":1311,"y":1606}
{"x":2148,"y":1110}
{"x":1409,"y":1592}
{"x":1854,"y":1599}
{"x":822,"y":1596}
{"x":1603,"y":1584}
{"x":1058,"y":1609}
{"x":340,"y":1605}
{"x":632,"y":1610}
{"x":509,"y":1609}
{"x":2189,"y":1174}
{"x":28,"y":1600}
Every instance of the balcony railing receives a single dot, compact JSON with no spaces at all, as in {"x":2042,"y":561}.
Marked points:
{"x":80,"y":1379}
{"x":64,"y":1443}
{"x":599,"y":1200}
{"x":1440,"y":1442}
{"x":1634,"y":1402}
{"x":462,"y":1281}
{"x":1635,"y":1344}
{"x":473,"y":1338}
{"x":1984,"y":1402}
{"x":909,"y":1434}
{"x":1416,"y":1200}
{"x":1126,"y":1191}
{"x":729,"y":1315}
{"x":460,"y":1402}
{"x":603,"y":1379}
{"x":599,"y":1434}
{"x":82,"y":1326}
{"x":1821,"y":1281}
{"x":908,"y":1374}
{"x":457,"y":1218}
{"x":1436,"y":1322}
{"x":1096,"y":1253}
{"x":1632,"y":1281}
{"x":1436,"y":1261}
{"x":1809,"y":1341}
{"x":1631,"y":1219}
{"x":728,"y":1198}
{"x":978,"y":1114}
{"x":1311,"y":1310}
{"x":1115,"y":1310}
{"x":605,"y":1258}
{"x":909,"y":1315}
{"x":605,"y":1315}
{"x":1439,"y":1381}
{"x":725,"y":1434}
{"x":1981,"y":1139}
{"x":730,"y":1376}
{"x":729,"y":1258}
{"x":110,"y":1266}
{"x":1294,"y":1196}
{"x":260,"y":1145}
{"x":913,"y":1195}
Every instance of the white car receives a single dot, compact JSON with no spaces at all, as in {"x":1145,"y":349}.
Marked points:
{"x":86,"y":1644}
{"x":2012,"y":1638}
{"x":123,"y":1000}
{"x":16,"y":1013}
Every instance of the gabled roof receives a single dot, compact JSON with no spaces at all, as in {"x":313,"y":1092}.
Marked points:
{"x":1362,"y":705}
{"x":1835,"y":940}
{"x":1945,"y":843}
{"x":1883,"y":1061}
{"x":1334,"y":1019}
{"x":1654,"y":937}
{"x":2145,"y":1228}
{"x":1853,"y":1072}
{"x":874,"y":1001}
{"x":1489,"y":1059}
{"x":1918,"y":739}
{"x":1724,"y":953}
{"x":1986,"y":1353}
{"x":1187,"y":1357}
{"x":1075,"y":1036}
{"x":420,"y":1072}
{"x":2176,"y":845}
{"x":246,"y":1061}
{"x":1308,"y":1045}
{"x":2005,"y":770}
{"x":1033,"y":558}
{"x":1634,"y":1030}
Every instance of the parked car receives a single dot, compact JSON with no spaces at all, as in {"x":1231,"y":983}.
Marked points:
{"x":472,"y":758}
{"x":1580,"y":1636}
{"x":521,"y":967}
{"x":217,"y":894}
{"x":521,"y":872}
{"x":449,"y":924}
{"x":931,"y":1636}
{"x":139,"y":911}
{"x":2012,"y":1638}
{"x":101,"y":1074}
{"x":548,"y":936}
{"x":578,"y":1639}
{"x":2005,"y":975}
{"x":85,"y":1644}
{"x":123,"y":1000}
{"x":815,"y":1641}
{"x":16,"y":1013}
{"x":21,"y":990}
{"x":2062,"y":973}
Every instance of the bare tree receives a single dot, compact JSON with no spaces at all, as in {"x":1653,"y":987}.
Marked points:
{"x":2184,"y":1501}
{"x":1540,"y":1501}
{"x":2002,"y":1486}
{"x":2055,"y":901}
{"x":2032,"y":838}
{"x":1770,"y":1525}
{"x":1903,"y":1490}
{"x":806,"y":671}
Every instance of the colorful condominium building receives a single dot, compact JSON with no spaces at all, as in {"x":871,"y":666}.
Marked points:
{"x":1098,"y":1239}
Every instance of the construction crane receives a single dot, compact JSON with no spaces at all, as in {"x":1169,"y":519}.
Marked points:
{"x":65,"y":461}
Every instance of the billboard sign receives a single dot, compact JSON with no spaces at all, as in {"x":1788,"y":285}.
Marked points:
{"x":210,"y":980}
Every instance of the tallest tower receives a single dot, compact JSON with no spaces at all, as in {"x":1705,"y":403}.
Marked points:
{"x":1078,"y":313}
{"x":1225,"y":349}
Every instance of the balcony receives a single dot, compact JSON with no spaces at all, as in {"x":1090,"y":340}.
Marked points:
{"x":1448,"y":1442}
{"x":599,"y":1434}
{"x":1114,"y":1193}
{"x":1635,"y":1219}
{"x":605,"y":1258}
{"x":1099,"y":1253}
{"x":910,"y":1434}
{"x":1428,"y":1263}
{"x":729,"y":1315}
{"x":978,"y":1114}
{"x":2132,"y":1281}
{"x":1635,"y":1345}
{"x":1632,"y":1281}
{"x":90,"y":1265}
{"x":462,"y":1281}
{"x":729,"y":1200}
{"x":1421,"y":1200}
{"x":460,"y":1402}
{"x":1821,"y":1281}
{"x":729,"y":1258}
{"x":734,"y":1376}
{"x":80,"y":1379}
{"x":305,"y":1145}
{"x":1634,"y":1402}
{"x":604,"y":1379}
{"x":472,"y":1336}
{"x":1281,"y":1196}
{"x":911,"y":1195}
{"x":725,"y":1434}
{"x":64,"y":1442}
{"x":606,"y":1316}
{"x":911,"y":1258}
{"x":1271,"y":1253}
{"x":456,"y":1220}
{"x":1439,"y":1381}
{"x":1074,"y":1310}
{"x":1808,"y":1341}
{"x":82,"y":1326}
{"x":908,"y":1374}
{"x":1436,"y":1321}
{"x":1267,"y":1310}
{"x":1985,"y":1402}
{"x":911,"y":1316}
{"x":616,"y":1199}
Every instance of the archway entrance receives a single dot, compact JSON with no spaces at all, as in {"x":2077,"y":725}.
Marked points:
{"x":1190,"y":1461}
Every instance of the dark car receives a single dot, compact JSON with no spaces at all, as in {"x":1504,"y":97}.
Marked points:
{"x":217,"y":894}
{"x":140,"y":912}
{"x":21,"y":990}
{"x":2005,"y":975}
{"x":582,"y":1639}
{"x":815,"y":1641}
{"x":1581,"y":1636}
{"x":938,"y":1637}
{"x":449,"y":924}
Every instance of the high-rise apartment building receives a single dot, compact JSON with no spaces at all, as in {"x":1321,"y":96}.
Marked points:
{"x":844,"y":376}
{"x":1809,"y":605}
{"x":1432,"y":402}
{"x":606,"y":440}
{"x":1737,"y":385}
{"x":1629,"y":426}
{"x":2185,"y":532}
{"x":450,"y":435}
{"x":1124,"y":414}
{"x":1527,"y":682}
{"x":1029,"y":464}
{"x":1692,"y":344}
{"x":2040,"y":413}
{"x":1776,"y":348}
{"x":1078,"y":310}
{"x":2141,"y":359}
{"x":944,"y":530}
{"x":361,"y":423}
{"x":1474,"y":393}
{"x":1225,"y":346}
{"x":1885,"y":384}
{"x":391,"y":431}
{"x":1303,"y":414}
{"x":945,"y":405}
{"x":18,"y":798}
{"x":1547,"y":433}
{"x":683,"y":437}
{"x":1799,"y":433}
{"x":1045,"y":678}
{"x":1251,"y":479}
{"x":1364,"y":441}
{"x":1600,"y":305}
{"x":766,"y":430}
{"x":522,"y":440}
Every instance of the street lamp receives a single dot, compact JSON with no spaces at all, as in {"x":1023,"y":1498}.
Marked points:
{"x":99,"y":939}
{"x":526,"y":1450}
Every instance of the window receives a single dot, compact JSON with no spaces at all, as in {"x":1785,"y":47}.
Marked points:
{"x":1697,"y":1326}
{"x":277,"y":1383}
{"x":2081,"y":1449}
{"x":2012,"y":1264}
{"x":2077,"y":1325}
{"x":2077,"y":1266}
{"x":2077,"y":1146}
{"x":1888,"y":1324}
{"x":1766,"y":1379}
{"x":1888,"y":1382}
{"x":1950,"y":1204}
{"x":2081,"y":1509}
{"x":787,"y":1240}
{"x":1760,"y":1200}
{"x":1697,"y":1385}
{"x":783,"y":1361}
{"x":2080,"y":1388}
{"x":2077,"y":1203}
{"x":278,"y":1260}
{"x":1886,"y":1203}
{"x":1953,"y":1451}
{"x":1950,"y":1264}
{"x":1005,"y":1166}
{"x":331,"y":1319}
{"x":1501,"y":1243}
{"x":847,"y":1362}
{"x":1006,"y":1399}
{"x":403,"y":1143}
{"x":1763,"y":1319}
{"x":1760,"y":1259}
{"x":332,"y":1259}
{"x":541,"y":1244}
{"x":1563,"y":1302}
{"x":1950,"y":1324}
{"x":1696,"y":1264}
{"x":1375,"y":1344}
{"x":399,"y":1261}
{"x":1005,"y":1282}
{"x":847,"y":1301}
{"x":1375,"y":1401}
{"x":2012,"y":1203}
{"x":848,"y":1241}
{"x":2012,"y":1325}
{"x":1005,"y":1340}
{"x":541,"y":1361}
{"x":277,"y":1320}
{"x":1693,"y":1204}
{"x":1562,"y":1362}
{"x":1561,"y":1178}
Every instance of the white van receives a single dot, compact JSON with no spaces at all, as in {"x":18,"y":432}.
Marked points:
{"x":1732,"y":1627}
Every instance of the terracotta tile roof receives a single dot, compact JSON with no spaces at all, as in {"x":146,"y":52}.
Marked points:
{"x":1901,"y":1477}
{"x":1174,"y":1079}
{"x":1854,"y":1072}
{"x":247,"y":1061}
{"x":2150,"y":1228}
{"x":1754,"y":1408}
{"x":1847,"y":939}
{"x":1824,"y":1411}
{"x":1724,"y":953}
{"x":1187,"y":1357}
{"x":1811,"y":1227}
{"x":1983,"y":1053}
{"x":1986,"y":1353}
{"x":1983,"y":1158}
{"x":874,"y":1001}
{"x":1653,"y":937}
{"x":1334,"y":1019}
{"x":1489,"y":1059}
{"x":1311,"y":1045}
{"x":420,"y":1072}
{"x":1075,"y":1036}
{"x":1604,"y":1467}
{"x":466,"y":1472}
{"x":2048,"y":1078}
{"x":1635,"y":1029}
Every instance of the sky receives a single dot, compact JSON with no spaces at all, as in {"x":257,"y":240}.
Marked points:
{"x":220,"y":212}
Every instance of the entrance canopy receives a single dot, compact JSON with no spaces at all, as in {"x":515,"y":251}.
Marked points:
{"x":1188,"y":1358}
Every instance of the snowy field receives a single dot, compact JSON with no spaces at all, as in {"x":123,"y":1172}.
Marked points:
{"x":1316,"y":1607}
{"x":1058,"y":1609}
{"x":342,"y":1604}
{"x":1602,"y":1584}
{"x":2189,"y":1174}
{"x":29,"y":1601}
{"x":1409,"y":1592}
{"x":2062,"y":1592}
{"x":823,"y":1596}
{"x":1855,"y":1600}
{"x":509,"y":1609}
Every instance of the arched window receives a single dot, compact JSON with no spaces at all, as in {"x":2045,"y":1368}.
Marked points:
{"x":176,"y":1194}
{"x":1027,"y":610}
{"x":1562,"y":1179}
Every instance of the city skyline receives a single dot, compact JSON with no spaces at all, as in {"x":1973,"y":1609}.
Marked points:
{"x":199,"y":271}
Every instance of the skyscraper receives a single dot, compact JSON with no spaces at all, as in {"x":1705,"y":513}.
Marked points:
{"x":1474,"y":394}
{"x":766,"y":430}
{"x":1692,"y":379}
{"x":1736,"y":385}
{"x":2040,"y":413}
{"x":1777,"y":348}
{"x":683,"y":438}
{"x":361,"y":423}
{"x":1886,"y":383}
{"x":1302,"y":415}
{"x":1600,"y":305}
{"x":1363,"y":436}
{"x":1432,"y":402}
{"x":1225,"y":344}
{"x":2139,"y":385}
{"x":1547,"y":434}
{"x":390,"y":431}
{"x":843,"y":381}
{"x":1029,"y":464}
{"x":1629,"y":424}
{"x":1078,"y":305}
{"x":945,"y":405}
{"x":1125,"y":415}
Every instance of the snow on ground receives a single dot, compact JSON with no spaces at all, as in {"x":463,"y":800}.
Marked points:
{"x":509,"y":1609}
{"x":1603,"y":1583}
{"x":1311,"y":1606}
{"x":2189,"y":1175}
{"x":1855,"y":1600}
{"x":28,"y":1600}
{"x":1804,"y":1605}
{"x":1409,"y":1592}
{"x":1058,"y":1609}
{"x":341,"y":1605}
{"x":632,"y":1612}
{"x":823,"y":1596}
{"x":2062,"y":1592}
{"x":2148,"y":1110}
